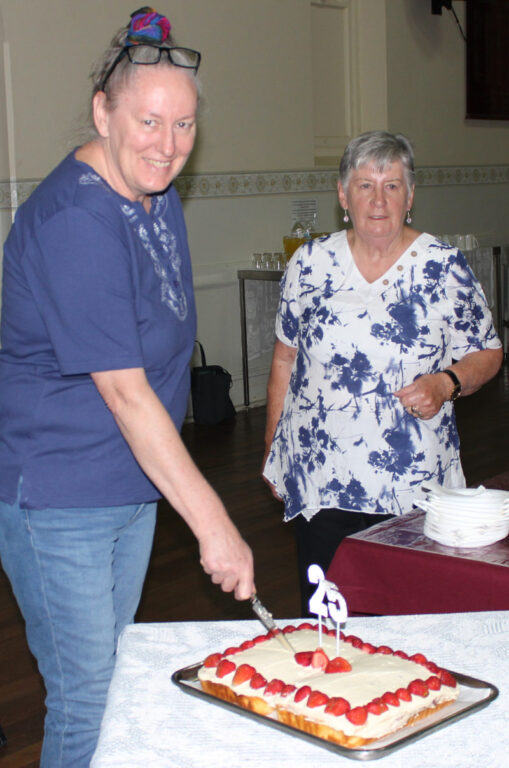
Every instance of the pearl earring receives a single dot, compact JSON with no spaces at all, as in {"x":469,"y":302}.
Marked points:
{"x":408,"y":218}
{"x":345,"y":217}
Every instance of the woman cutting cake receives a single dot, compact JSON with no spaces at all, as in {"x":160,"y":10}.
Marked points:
{"x":379,"y":329}
{"x":98,"y":326}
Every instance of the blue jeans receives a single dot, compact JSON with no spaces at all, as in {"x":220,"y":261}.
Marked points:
{"x":77,"y":575}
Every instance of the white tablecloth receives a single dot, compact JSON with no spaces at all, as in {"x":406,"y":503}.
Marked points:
{"x":150,"y":723}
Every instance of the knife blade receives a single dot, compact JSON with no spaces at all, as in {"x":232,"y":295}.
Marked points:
{"x":268,"y":622}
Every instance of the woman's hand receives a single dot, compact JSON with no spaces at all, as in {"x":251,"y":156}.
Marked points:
{"x":424,"y":397}
{"x":228,"y":560}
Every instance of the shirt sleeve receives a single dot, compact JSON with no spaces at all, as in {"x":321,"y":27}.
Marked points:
{"x":288,"y":314}
{"x":471,"y":322}
{"x":79,"y":270}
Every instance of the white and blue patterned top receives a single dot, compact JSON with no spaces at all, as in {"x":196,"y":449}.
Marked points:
{"x":343,"y":439}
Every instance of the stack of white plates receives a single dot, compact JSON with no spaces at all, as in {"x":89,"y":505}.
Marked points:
{"x":465,"y":517}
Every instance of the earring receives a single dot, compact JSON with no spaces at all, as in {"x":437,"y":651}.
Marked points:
{"x":345,"y":217}
{"x":408,"y":218}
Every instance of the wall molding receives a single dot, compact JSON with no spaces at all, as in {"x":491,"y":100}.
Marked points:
{"x":211,"y":185}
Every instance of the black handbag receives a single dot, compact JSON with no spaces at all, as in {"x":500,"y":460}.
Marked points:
{"x":210,"y":392}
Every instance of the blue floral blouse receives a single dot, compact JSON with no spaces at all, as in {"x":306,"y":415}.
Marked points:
{"x":343,"y":439}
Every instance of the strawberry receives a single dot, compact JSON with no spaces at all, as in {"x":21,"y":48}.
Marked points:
{"x":288,"y":689}
{"x":275,"y":686}
{"x":357,"y":715}
{"x":260,"y":639}
{"x":401,"y":654}
{"x":230,"y":651}
{"x":317,"y":699}
{"x":244,"y":673}
{"x":305,"y":625}
{"x":418,"y":688}
{"x":338,"y":664}
{"x":319,"y":659}
{"x":337,"y":706}
{"x":404,"y":694}
{"x":432,"y":667}
{"x":419,"y":658}
{"x":385,"y":650}
{"x":368,"y":648}
{"x":289,"y":628}
{"x":391,"y":699}
{"x":447,"y":678}
{"x":303,"y":658}
{"x":213,"y":660}
{"x":355,"y":641}
{"x":258,"y":681}
{"x":302,"y":693}
{"x":225,"y":667}
{"x":377,"y":706}
{"x":434,"y":683}
{"x":246,"y":644}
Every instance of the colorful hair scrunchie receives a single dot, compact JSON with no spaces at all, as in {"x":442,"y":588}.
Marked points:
{"x":147,"y":26}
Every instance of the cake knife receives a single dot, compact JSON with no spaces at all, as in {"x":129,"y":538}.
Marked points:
{"x":268,"y":622}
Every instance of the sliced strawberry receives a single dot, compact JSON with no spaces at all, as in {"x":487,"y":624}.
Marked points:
{"x":377,"y":706}
{"x":225,"y":667}
{"x":258,"y":681}
{"x":355,"y":641}
{"x":368,"y":648}
{"x":230,"y":651}
{"x":244,"y":673}
{"x":434,"y":683}
{"x":275,"y":686}
{"x":338,"y":664}
{"x":319,"y":659}
{"x":288,"y":689}
{"x":418,"y":688}
{"x":391,"y":699}
{"x":337,"y":706}
{"x":385,"y":650}
{"x":302,"y":693}
{"x":419,"y":658}
{"x":357,"y":715}
{"x":305,"y":625}
{"x":404,"y":694}
{"x":432,"y":667}
{"x":213,"y":660}
{"x":317,"y":699}
{"x":401,"y":654}
{"x":303,"y":658}
{"x":447,"y":678}
{"x":260,"y":639}
{"x":289,"y":629}
{"x":246,"y":645}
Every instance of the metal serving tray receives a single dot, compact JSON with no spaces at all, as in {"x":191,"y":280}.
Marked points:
{"x":474,"y":695}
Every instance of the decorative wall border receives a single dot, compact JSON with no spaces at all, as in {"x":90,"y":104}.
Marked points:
{"x":210,"y":185}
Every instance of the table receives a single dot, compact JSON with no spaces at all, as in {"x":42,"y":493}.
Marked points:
{"x":392,"y":568}
{"x":150,"y":723}
{"x":271,"y":275}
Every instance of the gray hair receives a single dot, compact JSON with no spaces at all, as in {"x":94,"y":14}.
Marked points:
{"x":380,"y":148}
{"x":124,"y":71}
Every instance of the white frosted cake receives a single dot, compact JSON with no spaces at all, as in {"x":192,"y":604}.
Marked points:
{"x":352,"y":697}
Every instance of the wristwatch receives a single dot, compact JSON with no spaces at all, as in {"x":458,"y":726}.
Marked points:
{"x":456,"y":392}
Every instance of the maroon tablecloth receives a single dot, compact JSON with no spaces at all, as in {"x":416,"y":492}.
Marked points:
{"x":392,"y":568}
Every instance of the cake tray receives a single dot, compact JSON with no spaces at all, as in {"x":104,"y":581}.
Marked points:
{"x":474,"y":695}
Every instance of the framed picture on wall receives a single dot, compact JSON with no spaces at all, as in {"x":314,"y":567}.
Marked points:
{"x":488,"y":59}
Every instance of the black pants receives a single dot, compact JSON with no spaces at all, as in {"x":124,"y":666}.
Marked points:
{"x":318,"y":539}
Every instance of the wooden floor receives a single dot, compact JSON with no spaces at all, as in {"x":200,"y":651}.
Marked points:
{"x":177,"y":590}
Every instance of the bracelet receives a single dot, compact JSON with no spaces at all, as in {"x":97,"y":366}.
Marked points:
{"x":456,"y":392}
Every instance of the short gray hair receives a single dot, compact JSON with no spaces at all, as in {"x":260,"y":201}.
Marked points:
{"x":380,"y":148}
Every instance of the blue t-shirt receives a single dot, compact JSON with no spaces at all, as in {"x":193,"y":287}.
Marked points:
{"x":91,"y":282}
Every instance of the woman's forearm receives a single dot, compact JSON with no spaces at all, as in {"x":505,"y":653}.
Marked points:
{"x":277,"y":387}
{"x":475,"y":369}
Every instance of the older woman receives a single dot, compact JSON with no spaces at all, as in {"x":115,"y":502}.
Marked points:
{"x":379,"y":329}
{"x":98,"y":325}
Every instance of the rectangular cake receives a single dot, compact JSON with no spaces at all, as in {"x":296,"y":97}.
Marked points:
{"x":362,"y":693}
